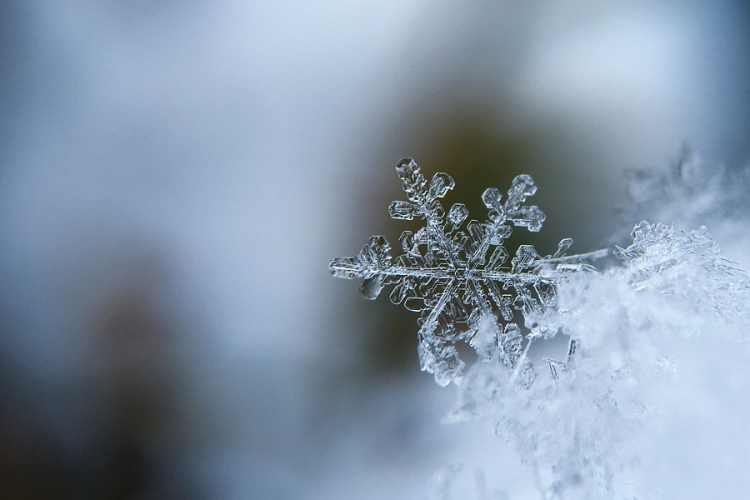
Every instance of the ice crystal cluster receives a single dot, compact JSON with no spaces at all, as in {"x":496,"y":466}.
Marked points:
{"x":650,"y":399}
{"x":654,"y":390}
{"x":458,"y":274}
{"x":690,"y":193}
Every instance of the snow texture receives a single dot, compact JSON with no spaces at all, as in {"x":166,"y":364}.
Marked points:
{"x":654,"y":388}
{"x":455,"y":274}
{"x":690,"y":193}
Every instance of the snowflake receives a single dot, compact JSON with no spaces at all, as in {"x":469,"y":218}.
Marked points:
{"x":458,"y":275}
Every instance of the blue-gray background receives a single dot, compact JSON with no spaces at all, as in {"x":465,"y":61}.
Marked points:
{"x":176,"y":176}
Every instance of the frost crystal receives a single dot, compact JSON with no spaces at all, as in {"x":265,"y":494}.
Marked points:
{"x":691,"y":193}
{"x":687,"y":266}
{"x":455,"y":274}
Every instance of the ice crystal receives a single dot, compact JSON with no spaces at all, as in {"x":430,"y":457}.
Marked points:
{"x":455,"y":274}
{"x":654,"y":379}
{"x":688,"y":266}
{"x":691,"y":193}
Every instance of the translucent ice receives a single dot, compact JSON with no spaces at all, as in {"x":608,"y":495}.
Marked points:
{"x":458,"y":279}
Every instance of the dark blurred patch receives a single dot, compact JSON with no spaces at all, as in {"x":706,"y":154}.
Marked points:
{"x":32,"y":462}
{"x":135,"y":391}
{"x":119,"y":401}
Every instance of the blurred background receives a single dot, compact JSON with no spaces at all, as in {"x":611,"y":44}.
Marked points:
{"x":176,"y":176}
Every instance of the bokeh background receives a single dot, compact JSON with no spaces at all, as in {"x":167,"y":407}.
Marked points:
{"x":176,"y":176}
